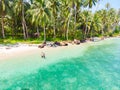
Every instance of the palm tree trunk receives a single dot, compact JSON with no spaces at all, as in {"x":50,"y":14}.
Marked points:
{"x":54,"y":30}
{"x":91,"y":33}
{"x":2,"y":22}
{"x":38,"y":32}
{"x":85,"y":31}
{"x":68,"y":28}
{"x":75,"y":19}
{"x":102,"y":31}
{"x":24,"y":30}
{"x":44,"y":34}
{"x":27,"y":35}
{"x":13,"y":29}
{"x":87,"y":34}
{"x":23,"y":21}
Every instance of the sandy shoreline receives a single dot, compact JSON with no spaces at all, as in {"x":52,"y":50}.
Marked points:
{"x":8,"y":52}
{"x":24,"y":49}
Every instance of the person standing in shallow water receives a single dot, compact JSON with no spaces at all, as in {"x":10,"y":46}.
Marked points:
{"x":42,"y":55}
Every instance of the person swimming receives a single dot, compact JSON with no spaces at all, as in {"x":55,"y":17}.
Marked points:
{"x":42,"y":55}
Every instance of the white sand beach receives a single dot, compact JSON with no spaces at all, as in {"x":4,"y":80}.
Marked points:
{"x":24,"y":49}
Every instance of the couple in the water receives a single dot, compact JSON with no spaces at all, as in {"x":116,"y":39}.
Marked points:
{"x":42,"y":55}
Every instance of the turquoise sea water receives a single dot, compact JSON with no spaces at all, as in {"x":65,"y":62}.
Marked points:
{"x":92,"y":67}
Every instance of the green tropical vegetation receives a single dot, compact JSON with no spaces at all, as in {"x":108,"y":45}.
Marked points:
{"x":51,"y":20}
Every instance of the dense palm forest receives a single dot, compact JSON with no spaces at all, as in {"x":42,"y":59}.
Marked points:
{"x":56,"y":19}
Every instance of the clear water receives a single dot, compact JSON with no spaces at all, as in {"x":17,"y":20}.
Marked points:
{"x":94,"y":67}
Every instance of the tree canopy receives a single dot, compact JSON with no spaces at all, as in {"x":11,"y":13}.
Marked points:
{"x":56,"y":19}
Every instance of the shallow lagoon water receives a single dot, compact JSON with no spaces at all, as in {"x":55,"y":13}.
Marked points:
{"x":93,"y":67}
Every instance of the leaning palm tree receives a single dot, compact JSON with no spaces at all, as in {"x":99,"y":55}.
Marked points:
{"x":20,"y":6}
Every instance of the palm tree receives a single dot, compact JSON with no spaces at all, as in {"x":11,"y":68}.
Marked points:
{"x":75,"y":6}
{"x":85,"y":19}
{"x":20,"y":10}
{"x":89,"y":4}
{"x":41,"y":13}
{"x":96,"y":24}
{"x":4,"y":6}
{"x":55,"y":5}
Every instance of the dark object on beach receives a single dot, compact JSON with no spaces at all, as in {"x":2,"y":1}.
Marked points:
{"x":57,"y":43}
{"x":83,"y":41}
{"x":8,"y":48}
{"x":42,"y":55}
{"x":63,"y":44}
{"x":41,"y":46}
{"x":76,"y":41}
